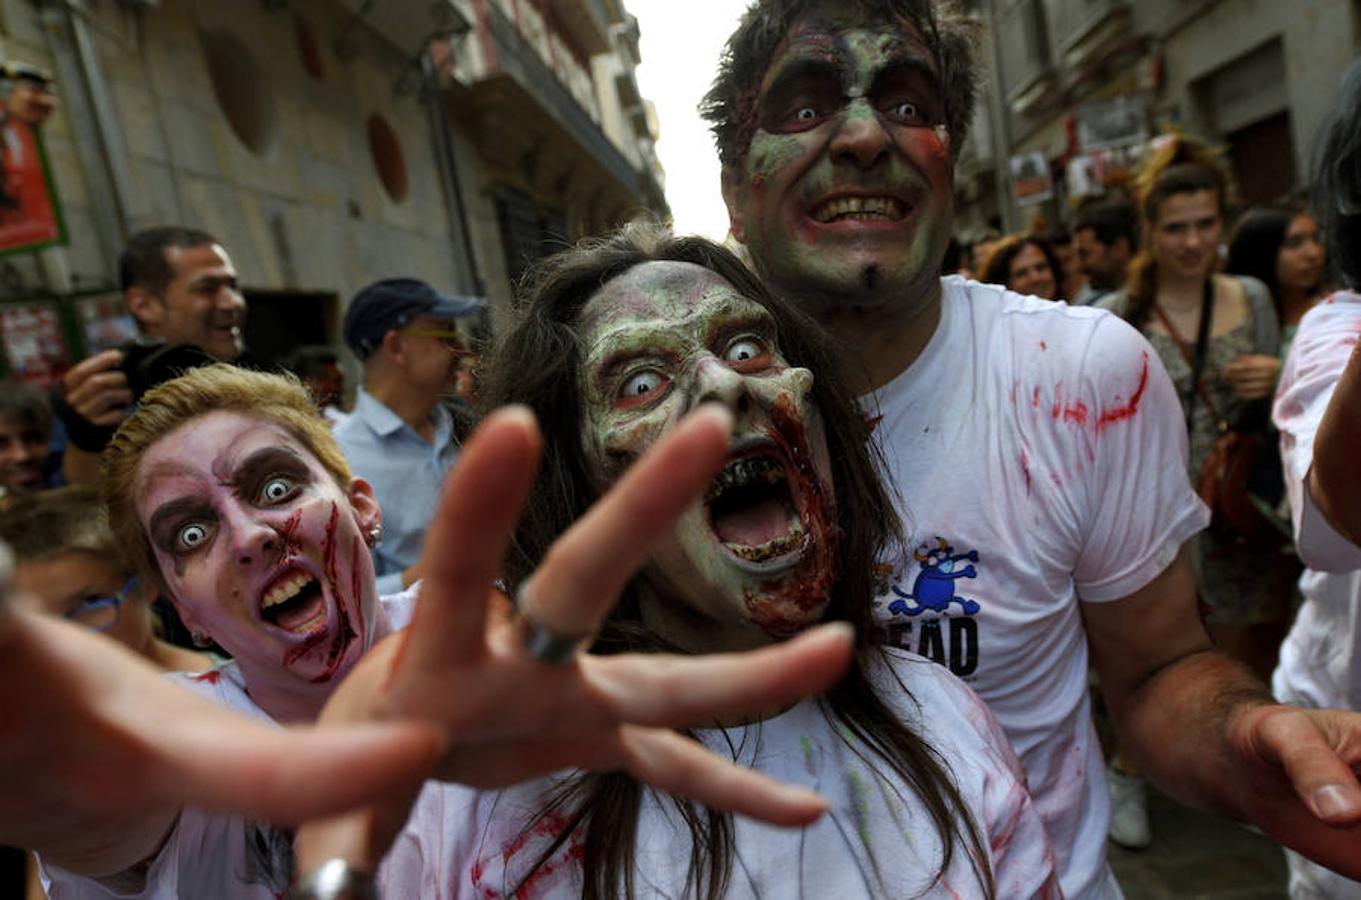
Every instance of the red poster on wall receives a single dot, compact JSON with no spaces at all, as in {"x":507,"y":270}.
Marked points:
{"x":29,"y":214}
{"x":34,"y":348}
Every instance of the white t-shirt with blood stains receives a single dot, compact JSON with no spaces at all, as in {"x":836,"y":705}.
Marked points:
{"x":211,"y":854}
{"x":1039,"y":451}
{"x":1319,"y":665}
{"x":877,"y":839}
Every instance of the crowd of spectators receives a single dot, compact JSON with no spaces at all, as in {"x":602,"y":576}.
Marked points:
{"x":1229,"y":314}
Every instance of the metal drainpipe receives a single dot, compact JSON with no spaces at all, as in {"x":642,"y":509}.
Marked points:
{"x":78,"y":64}
{"x":1001,"y":130}
{"x":442,"y":135}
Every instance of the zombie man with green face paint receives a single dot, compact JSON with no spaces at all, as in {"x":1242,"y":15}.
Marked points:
{"x":618,"y":341}
{"x":1040,"y":449}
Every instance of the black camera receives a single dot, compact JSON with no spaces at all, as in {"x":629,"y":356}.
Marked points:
{"x":147,"y":364}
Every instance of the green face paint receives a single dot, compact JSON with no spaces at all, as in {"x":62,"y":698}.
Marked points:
{"x":755,"y":557}
{"x":770,"y":153}
{"x":844,"y":196}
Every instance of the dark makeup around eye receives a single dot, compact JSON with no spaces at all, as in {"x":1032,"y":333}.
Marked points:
{"x":622,"y":352}
{"x":909,"y":80}
{"x":822,"y":66}
{"x":265,"y":463}
{"x":246,"y":480}
{"x":814,"y":82}
{"x":166,"y":521}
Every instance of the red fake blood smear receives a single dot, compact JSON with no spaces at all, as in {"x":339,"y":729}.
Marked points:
{"x":329,"y":544}
{"x":286,"y":538}
{"x":344,"y":633}
{"x":304,"y":648}
{"x":779,"y":608}
{"x":931,"y":142}
{"x":1075,"y":412}
{"x":1126,"y":410}
{"x":212,"y":676}
{"x":548,"y":827}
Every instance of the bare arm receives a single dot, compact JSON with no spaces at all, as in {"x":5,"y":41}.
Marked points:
{"x":98,"y":752}
{"x":1335,"y":479}
{"x":1207,"y":732}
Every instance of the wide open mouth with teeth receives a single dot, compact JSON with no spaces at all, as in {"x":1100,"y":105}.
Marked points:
{"x":293,"y":602}
{"x":842,"y":209}
{"x":751,"y":509}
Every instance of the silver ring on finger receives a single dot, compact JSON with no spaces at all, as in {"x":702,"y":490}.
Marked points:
{"x":541,"y":642}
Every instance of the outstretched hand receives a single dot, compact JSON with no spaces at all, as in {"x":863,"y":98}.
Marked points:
{"x":1306,"y":791}
{"x":96,"y":744}
{"x":508,"y":716}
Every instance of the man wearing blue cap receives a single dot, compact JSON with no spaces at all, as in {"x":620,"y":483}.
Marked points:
{"x":400,"y":438}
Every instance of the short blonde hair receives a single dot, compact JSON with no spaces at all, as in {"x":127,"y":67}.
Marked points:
{"x":280,"y":399}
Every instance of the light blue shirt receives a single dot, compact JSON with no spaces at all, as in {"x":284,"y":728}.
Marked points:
{"x":406,"y":472}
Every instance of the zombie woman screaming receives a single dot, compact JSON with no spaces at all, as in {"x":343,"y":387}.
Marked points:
{"x":619,"y":340}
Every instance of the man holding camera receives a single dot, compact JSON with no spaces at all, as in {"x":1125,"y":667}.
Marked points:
{"x":181,"y":287}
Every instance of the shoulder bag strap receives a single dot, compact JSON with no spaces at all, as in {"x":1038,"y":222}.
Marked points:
{"x":1196,"y":359}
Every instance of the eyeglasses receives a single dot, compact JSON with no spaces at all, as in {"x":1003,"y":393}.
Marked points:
{"x":450,"y":338}
{"x":101,"y":613}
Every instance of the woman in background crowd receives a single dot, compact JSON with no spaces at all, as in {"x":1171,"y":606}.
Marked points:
{"x":1226,"y":326}
{"x":1025,"y":264}
{"x":1280,"y":247}
{"x":1173,"y":297}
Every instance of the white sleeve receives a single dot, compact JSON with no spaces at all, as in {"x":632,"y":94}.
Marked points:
{"x":1140,"y":506}
{"x":1325,"y":341}
{"x":205,"y":854}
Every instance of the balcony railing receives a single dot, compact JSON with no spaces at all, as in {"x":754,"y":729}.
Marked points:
{"x":517,"y":59}
{"x":588,"y":21}
{"x":1023,"y":45}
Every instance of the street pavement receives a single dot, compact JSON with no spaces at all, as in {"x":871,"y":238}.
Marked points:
{"x":1195,"y":855}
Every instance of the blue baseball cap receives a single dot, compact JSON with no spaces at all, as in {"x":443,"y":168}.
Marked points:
{"x":389,"y":304}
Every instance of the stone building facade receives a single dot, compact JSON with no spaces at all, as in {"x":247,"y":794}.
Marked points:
{"x":329,"y":143}
{"x":1085,"y":83}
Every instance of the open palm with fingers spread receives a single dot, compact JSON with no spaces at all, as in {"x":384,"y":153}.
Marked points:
{"x":510,"y":714}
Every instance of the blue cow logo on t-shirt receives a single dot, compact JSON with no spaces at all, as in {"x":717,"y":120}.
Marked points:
{"x":934,"y":589}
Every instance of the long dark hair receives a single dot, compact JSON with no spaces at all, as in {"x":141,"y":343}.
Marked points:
{"x":1337,"y":179}
{"x":1180,"y":166}
{"x":538,"y":365}
{"x":1256,"y":245}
